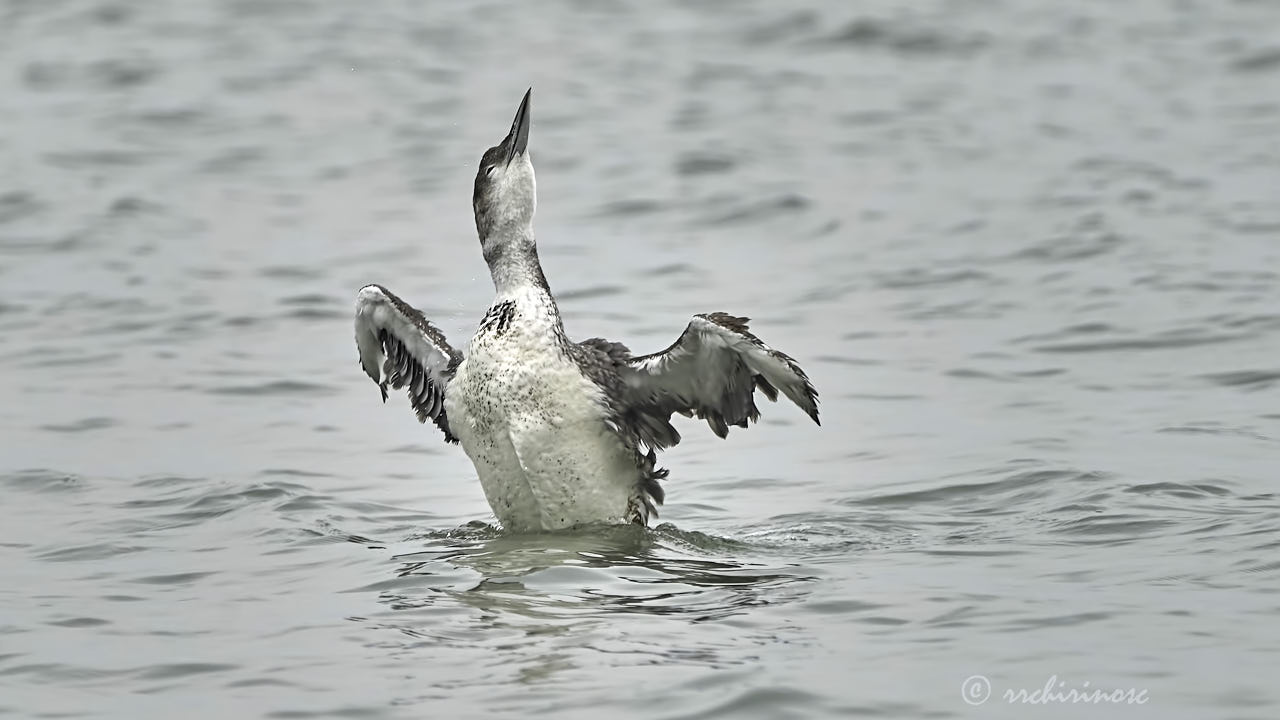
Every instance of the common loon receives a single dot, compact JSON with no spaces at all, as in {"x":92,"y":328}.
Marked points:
{"x":561,"y":433}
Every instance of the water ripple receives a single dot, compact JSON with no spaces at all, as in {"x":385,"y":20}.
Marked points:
{"x":1026,"y":251}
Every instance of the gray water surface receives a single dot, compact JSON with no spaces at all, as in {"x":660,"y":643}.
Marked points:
{"x":1029,"y":253}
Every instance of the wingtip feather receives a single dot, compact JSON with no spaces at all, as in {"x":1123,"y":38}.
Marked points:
{"x":399,"y":348}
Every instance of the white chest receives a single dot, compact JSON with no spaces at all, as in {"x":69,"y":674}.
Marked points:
{"x":516,"y":366}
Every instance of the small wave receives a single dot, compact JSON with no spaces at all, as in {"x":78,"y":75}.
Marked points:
{"x":1055,"y":621}
{"x":920,"y":277}
{"x":43,"y":481}
{"x":310,"y":300}
{"x":1180,"y":490}
{"x":587,"y":293}
{"x":900,"y":38}
{"x":1258,"y":61}
{"x":1034,"y":482}
{"x":1245,"y":379}
{"x":89,"y":553}
{"x":1088,"y":237}
{"x":82,"y":159}
{"x":88,"y":424}
{"x":173,"y":117}
{"x":632,"y":208}
{"x":670,"y":269}
{"x":291,"y":272}
{"x":123,"y":72}
{"x":1213,"y":428}
{"x":315,"y":314}
{"x":233,"y":160}
{"x":792,"y":25}
{"x":172,"y":671}
{"x":19,"y":205}
{"x":752,"y":210}
{"x":1113,"y":528}
{"x":79,"y":622}
{"x":186,"y":578}
{"x":964,"y":373}
{"x":275,"y":387}
{"x":694,"y":164}
{"x":1169,"y":341}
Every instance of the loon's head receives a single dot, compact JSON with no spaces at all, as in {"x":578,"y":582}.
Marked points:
{"x":506,"y":194}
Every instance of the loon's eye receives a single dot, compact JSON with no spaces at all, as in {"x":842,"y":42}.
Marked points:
{"x":489,"y":170}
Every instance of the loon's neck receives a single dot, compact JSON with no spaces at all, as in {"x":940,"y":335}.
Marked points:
{"x":513,"y":263}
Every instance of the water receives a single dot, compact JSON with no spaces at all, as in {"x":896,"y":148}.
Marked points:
{"x":1028,"y":251}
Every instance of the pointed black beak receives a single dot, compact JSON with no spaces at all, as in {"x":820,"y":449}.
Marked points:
{"x":517,"y":141}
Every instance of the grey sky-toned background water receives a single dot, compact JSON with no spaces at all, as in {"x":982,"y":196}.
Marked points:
{"x":1028,"y":252}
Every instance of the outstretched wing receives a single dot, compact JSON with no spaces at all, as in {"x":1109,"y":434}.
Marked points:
{"x":712,"y":372}
{"x":398,"y":347}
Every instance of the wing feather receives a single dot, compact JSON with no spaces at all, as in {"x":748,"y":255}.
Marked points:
{"x":712,"y":372}
{"x":400,"y":348}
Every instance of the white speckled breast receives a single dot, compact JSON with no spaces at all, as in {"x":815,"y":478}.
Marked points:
{"x":533,"y":424}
